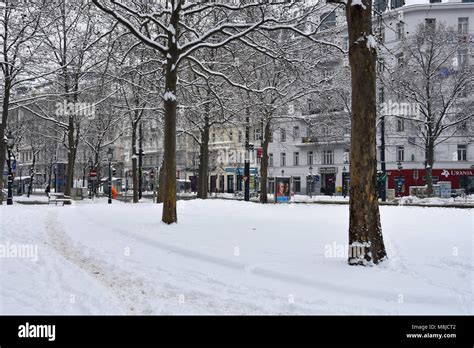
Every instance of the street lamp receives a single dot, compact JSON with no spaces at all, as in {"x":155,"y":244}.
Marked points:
{"x":311,"y":182}
{"x":344,"y":182}
{"x":110,"y":156}
{"x":10,"y":141}
{"x":399,"y":184}
{"x":91,"y":165}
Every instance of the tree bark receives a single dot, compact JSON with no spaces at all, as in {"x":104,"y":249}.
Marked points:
{"x":140,"y":161}
{"x":71,"y":157}
{"x":429,"y":167}
{"x":3,"y":145}
{"x":169,"y":215}
{"x":203,"y":183}
{"x":366,"y":244}
{"x":264,"y":164}
{"x":134,"y":163}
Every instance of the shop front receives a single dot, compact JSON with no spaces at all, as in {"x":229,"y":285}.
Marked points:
{"x":235,"y":179}
{"x":328,"y":180}
{"x":401,"y":180}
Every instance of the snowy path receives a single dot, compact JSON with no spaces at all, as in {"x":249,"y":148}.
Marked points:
{"x":233,"y":257}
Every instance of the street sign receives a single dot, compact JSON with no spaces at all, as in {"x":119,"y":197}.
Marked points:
{"x":93,"y":174}
{"x":328,"y":170}
{"x":14,"y":165}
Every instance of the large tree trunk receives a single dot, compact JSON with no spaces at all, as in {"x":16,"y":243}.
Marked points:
{"x":203,"y":162}
{"x":264,"y":164}
{"x":169,"y":215}
{"x":71,"y":157}
{"x":366,"y":244}
{"x":429,"y":167}
{"x":140,"y":161}
{"x":3,"y":124}
{"x":134,"y":164}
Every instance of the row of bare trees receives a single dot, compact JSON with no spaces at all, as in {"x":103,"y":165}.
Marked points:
{"x":193,"y":66}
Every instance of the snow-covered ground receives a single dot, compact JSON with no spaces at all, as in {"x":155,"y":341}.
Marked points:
{"x":230,"y":257}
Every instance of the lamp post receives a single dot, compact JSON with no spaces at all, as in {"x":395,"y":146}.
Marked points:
{"x":311,"y":181}
{"x":91,"y":165}
{"x":399,"y":183}
{"x":110,"y":156}
{"x":10,"y":172}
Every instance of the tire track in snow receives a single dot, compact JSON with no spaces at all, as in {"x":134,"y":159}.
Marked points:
{"x":133,"y":293}
{"x":124,"y":287}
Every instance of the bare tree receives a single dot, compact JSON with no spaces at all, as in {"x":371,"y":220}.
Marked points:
{"x":438,"y":89}
{"x":21,"y":43}
{"x":178,"y":30}
{"x":365,"y":232}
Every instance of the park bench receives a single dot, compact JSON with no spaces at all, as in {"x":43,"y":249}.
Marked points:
{"x":58,"y":198}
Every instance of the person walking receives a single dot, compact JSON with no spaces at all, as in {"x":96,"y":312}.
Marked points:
{"x":47,"y":190}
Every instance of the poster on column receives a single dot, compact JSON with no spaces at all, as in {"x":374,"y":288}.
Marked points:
{"x":282,"y":190}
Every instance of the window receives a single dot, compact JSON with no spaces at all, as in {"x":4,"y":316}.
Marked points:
{"x":296,"y":132}
{"x":240,"y":137}
{"x":213,"y":137}
{"x":257,"y":134}
{"x":282,"y":135}
{"x":310,"y":157}
{"x":430,"y":23}
{"x":379,"y":5}
{"x":328,"y":74}
{"x":400,"y":153}
{"x":270,"y":138}
{"x":345,"y":43}
{"x":397,"y":3}
{"x":296,"y":158}
{"x":463,"y":25}
{"x":270,"y":159}
{"x":400,"y":125}
{"x":297,"y":184}
{"x":462,"y":152}
{"x":327,"y":20}
{"x":400,"y":59}
{"x":283,"y":159}
{"x":346,"y":156}
{"x":400,"y":31}
{"x":231,"y":136}
{"x":462,"y":57}
{"x":328,"y":157}
{"x":271,"y":185}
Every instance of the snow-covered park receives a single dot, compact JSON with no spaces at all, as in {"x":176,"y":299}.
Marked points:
{"x":229,"y":257}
